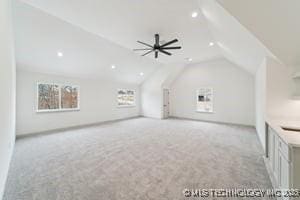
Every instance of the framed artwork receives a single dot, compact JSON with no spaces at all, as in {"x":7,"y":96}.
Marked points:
{"x":126,"y":98}
{"x":205,"y":100}
{"x":57,"y":97}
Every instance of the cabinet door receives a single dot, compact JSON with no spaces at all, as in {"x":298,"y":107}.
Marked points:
{"x":276,"y":157}
{"x":272,"y":150}
{"x":270,"y":147}
{"x":283,"y":172}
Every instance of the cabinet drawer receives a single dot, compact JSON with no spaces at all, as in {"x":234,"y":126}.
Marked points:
{"x":284,"y":149}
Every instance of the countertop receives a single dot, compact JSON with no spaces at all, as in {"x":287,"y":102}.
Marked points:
{"x":292,"y":138}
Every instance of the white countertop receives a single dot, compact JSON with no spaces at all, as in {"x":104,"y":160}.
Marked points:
{"x":291,"y":138}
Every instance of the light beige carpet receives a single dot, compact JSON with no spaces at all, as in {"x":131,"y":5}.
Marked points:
{"x":136,"y":159}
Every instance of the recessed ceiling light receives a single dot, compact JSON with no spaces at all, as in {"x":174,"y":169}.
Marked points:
{"x":141,"y":74}
{"x":194,"y":14}
{"x":189,"y":59}
{"x":211,"y":44}
{"x":60,"y":54}
{"x":113,"y":66}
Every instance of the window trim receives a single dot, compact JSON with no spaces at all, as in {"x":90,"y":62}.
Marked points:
{"x":127,"y":106}
{"x":59,"y":96}
{"x":212,"y":107}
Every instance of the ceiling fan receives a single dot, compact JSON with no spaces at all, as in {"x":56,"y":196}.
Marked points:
{"x":157,"y":47}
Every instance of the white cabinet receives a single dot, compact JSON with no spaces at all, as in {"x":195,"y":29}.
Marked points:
{"x":273,"y":152}
{"x":283,"y":161}
{"x":278,"y":160}
{"x":276,"y":157}
{"x":283,"y":169}
{"x":271,"y":148}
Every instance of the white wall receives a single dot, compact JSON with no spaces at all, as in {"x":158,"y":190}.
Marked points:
{"x":233,"y":93}
{"x":7,"y":87}
{"x":280,"y":90}
{"x":151,"y":97}
{"x":152,"y":89}
{"x":97,"y":103}
{"x":274,"y":95}
{"x":260,"y":101}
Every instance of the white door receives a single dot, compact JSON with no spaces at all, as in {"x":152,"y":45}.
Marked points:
{"x":166,"y":103}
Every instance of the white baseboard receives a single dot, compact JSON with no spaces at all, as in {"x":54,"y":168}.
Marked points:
{"x":216,"y":122}
{"x":74,"y":127}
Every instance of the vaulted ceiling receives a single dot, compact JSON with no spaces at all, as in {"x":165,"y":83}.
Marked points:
{"x":275,"y":23}
{"x":237,"y":44}
{"x":40,"y":36}
{"x":95,"y":34}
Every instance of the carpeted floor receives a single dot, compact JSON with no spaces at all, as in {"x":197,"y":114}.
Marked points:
{"x":136,"y":159}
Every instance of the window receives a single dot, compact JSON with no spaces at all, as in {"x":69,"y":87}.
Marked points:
{"x":126,"y":98}
{"x":69,"y":97}
{"x":56,"y":97}
{"x":48,"y":97}
{"x":205,"y":100}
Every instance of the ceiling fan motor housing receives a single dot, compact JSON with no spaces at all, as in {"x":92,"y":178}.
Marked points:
{"x":156,"y":48}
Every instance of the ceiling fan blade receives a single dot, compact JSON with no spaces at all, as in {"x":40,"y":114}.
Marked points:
{"x":156,"y":39}
{"x":145,"y":44}
{"x":168,"y":43}
{"x":141,"y":49}
{"x":171,"y":48}
{"x":165,"y":52}
{"x":156,"y":54}
{"x":147,"y":52}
